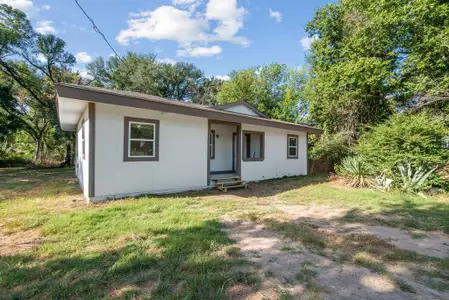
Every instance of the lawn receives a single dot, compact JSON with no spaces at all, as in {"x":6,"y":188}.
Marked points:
{"x":55,"y":245}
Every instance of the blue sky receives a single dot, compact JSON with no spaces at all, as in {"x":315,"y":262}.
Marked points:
{"x":218,"y":36}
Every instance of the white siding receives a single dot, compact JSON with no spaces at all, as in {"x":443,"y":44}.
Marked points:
{"x":242,"y":109}
{"x":276,"y":163}
{"x":223,"y":147}
{"x":82,"y":165}
{"x":182,"y":161}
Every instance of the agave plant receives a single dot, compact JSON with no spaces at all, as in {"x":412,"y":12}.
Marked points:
{"x":413,"y":180}
{"x":382,"y":183}
{"x":355,"y":171}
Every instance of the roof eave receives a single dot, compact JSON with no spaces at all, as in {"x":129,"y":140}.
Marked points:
{"x":105,"y":97}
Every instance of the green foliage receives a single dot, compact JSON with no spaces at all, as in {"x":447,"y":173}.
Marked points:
{"x":356,"y":171}
{"x":30,"y":63}
{"x":370,"y":57}
{"x":413,"y":180}
{"x":418,"y":138}
{"x":143,"y":73}
{"x":274,"y":89}
{"x":331,"y":147}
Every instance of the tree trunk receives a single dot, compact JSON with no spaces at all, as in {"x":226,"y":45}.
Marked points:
{"x":37,"y":152}
{"x":68,"y":153}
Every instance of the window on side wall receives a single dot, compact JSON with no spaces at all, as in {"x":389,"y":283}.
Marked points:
{"x":141,"y":139}
{"x":292,"y":146}
{"x":83,"y":140}
{"x":253,"y":146}
{"x":212,"y":144}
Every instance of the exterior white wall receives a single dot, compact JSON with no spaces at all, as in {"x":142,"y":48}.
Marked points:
{"x":242,"y":109}
{"x":183,"y":154}
{"x":82,"y":165}
{"x":223,"y":147}
{"x":275,"y":163}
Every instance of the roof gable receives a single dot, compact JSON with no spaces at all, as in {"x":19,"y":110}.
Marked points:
{"x":241,"y":107}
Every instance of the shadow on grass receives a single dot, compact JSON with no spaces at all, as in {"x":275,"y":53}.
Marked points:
{"x":264,"y":188}
{"x":27,"y":182}
{"x":407,"y":215}
{"x":183,"y":264}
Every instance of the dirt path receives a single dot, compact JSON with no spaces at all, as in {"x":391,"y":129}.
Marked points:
{"x":289,"y":267}
{"x":434,"y":244}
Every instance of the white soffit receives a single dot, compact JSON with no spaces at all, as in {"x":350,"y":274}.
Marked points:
{"x":69,"y":112}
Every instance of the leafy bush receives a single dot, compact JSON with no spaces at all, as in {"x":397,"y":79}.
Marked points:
{"x":331,"y":148}
{"x":418,"y":138}
{"x":356,"y":172}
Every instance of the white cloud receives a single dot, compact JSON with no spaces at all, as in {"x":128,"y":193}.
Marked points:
{"x":45,"y":7}
{"x":164,"y":23}
{"x":167,"y":61}
{"x":83,"y":72}
{"x":225,"y":77}
{"x":221,"y":21}
{"x":83,"y":57}
{"x":306,"y":42}
{"x":40,"y":57}
{"x":276,"y":15}
{"x":230,"y":20}
{"x":199,"y":51}
{"x":24,"y":5}
{"x":45,"y":27}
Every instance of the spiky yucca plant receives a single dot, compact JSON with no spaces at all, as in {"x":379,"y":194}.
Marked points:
{"x":356,"y":172}
{"x":413,"y":180}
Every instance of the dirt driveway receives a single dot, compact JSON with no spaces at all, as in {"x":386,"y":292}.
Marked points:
{"x":302,"y":252}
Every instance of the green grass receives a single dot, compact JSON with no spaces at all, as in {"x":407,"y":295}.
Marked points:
{"x":407,"y":211}
{"x":164,"y":247}
{"x":170,"y":247}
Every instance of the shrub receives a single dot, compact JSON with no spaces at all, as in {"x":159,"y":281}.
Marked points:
{"x":331,"y":148}
{"x":413,"y":180}
{"x":356,"y":172}
{"x":418,"y":138}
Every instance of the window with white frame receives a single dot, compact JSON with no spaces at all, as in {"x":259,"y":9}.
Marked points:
{"x":292,"y":146}
{"x":141,"y":139}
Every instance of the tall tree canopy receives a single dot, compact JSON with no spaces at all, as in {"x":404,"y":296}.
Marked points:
{"x":30,"y":63}
{"x":274,"y":89}
{"x":145,"y":74}
{"x":372,"y":57}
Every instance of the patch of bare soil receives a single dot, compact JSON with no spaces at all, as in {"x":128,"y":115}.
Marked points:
{"x":281,"y":264}
{"x":15,"y":243}
{"x":434,"y":244}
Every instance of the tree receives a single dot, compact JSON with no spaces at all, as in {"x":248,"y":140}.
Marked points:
{"x":144,"y":74}
{"x":274,"y":89}
{"x":372,"y":57}
{"x":31,"y":63}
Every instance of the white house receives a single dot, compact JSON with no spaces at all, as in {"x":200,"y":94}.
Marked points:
{"x":130,"y":143}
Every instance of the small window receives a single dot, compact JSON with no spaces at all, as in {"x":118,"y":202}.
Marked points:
{"x":292,"y":146}
{"x":83,"y":140}
{"x":141,"y":139}
{"x":212,"y":144}
{"x":253,"y":146}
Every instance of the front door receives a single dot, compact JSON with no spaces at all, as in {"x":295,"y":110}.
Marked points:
{"x":234,"y":151}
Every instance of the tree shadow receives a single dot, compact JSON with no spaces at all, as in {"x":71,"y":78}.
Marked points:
{"x":181,"y":264}
{"x":264,"y":188}
{"x":407,"y":215}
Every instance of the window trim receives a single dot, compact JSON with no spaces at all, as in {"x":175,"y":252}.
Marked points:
{"x":262,"y":146}
{"x":212,"y":153}
{"x":289,"y":136}
{"x":126,"y":144}
{"x":83,"y":140}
